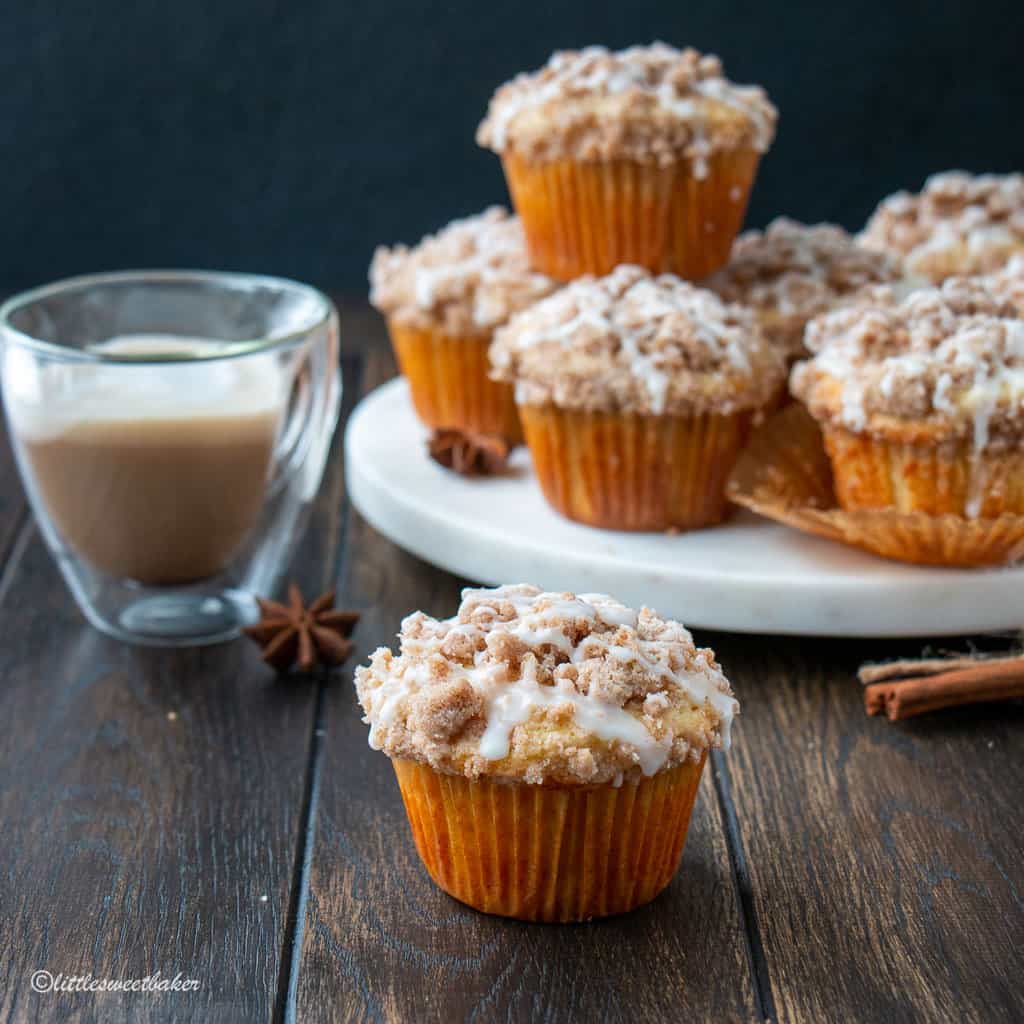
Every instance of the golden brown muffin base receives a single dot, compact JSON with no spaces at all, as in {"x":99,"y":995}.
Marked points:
{"x":627,"y":471}
{"x":785,"y":474}
{"x":544,"y":853}
{"x":449,"y":380}
{"x":590,"y":217}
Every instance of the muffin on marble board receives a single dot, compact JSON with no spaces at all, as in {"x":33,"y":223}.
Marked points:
{"x":921,"y":401}
{"x":792,"y":272}
{"x":959,"y":224}
{"x":548,"y":747}
{"x":636,"y":393}
{"x":644,"y":156}
{"x":443,"y":298}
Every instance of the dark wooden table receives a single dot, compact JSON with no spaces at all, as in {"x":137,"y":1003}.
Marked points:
{"x":184,"y":812}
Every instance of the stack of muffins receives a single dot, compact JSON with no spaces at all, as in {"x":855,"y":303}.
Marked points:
{"x":630,"y":173}
{"x":577,"y":326}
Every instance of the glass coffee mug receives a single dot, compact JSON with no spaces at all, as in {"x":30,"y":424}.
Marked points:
{"x":171,"y":429}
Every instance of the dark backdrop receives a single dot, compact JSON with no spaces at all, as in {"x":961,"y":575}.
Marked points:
{"x":292,"y":137}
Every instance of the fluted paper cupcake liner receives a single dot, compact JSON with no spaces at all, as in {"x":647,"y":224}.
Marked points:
{"x":589,"y":217}
{"x":543,"y":853}
{"x":624,"y":471}
{"x":449,"y":379}
{"x":785,"y":474}
{"x":937,"y":479}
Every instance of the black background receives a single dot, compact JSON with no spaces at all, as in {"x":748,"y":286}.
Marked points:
{"x":291,"y":138}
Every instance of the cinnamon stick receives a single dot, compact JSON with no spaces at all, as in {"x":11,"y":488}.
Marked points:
{"x":876,"y":672}
{"x":984,"y":680}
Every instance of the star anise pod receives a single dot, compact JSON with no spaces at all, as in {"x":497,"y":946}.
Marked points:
{"x":469,"y":453}
{"x":292,"y":634}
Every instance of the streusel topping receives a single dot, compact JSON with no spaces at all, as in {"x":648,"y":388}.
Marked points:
{"x":945,"y":363}
{"x":546,"y":687}
{"x":467,"y":279}
{"x":648,"y":103}
{"x":959,"y":224}
{"x":1007,"y":284}
{"x":634,"y":342}
{"x":791,"y":272}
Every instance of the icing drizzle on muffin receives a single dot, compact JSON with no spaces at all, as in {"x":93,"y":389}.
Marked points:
{"x":468,"y":278}
{"x":546,"y":687}
{"x":945,"y":363}
{"x":793,"y":271}
{"x":649,"y":103}
{"x":958,"y":224}
{"x":635,"y":342}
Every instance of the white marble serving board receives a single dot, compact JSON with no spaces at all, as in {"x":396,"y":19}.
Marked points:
{"x":748,"y":575}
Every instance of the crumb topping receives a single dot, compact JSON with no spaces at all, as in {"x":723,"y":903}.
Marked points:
{"x":791,"y":272}
{"x":467,"y":279}
{"x":546,"y":688}
{"x":648,"y":103}
{"x":635,"y":342}
{"x":958,"y":224}
{"x":1007,"y":284}
{"x":947,"y":361}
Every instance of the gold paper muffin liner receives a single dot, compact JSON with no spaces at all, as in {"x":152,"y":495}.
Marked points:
{"x":589,"y":217}
{"x":785,"y":474}
{"x":449,"y":379}
{"x":541,"y":853}
{"x":625,"y":471}
{"x":936,"y":479}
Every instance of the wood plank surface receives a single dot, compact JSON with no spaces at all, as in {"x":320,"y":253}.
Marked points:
{"x":885,"y":858}
{"x":381,"y":942}
{"x":154,"y":804}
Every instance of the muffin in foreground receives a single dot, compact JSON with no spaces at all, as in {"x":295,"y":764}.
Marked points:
{"x":548,"y":747}
{"x":646,"y":156}
{"x":442,"y":299}
{"x":921,"y":402}
{"x":792,"y":272}
{"x":636,"y":394}
{"x":959,"y":224}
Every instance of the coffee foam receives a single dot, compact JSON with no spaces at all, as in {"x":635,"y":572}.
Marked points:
{"x":46,"y":401}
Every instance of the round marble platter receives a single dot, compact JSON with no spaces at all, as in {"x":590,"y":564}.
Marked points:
{"x":749,"y":575}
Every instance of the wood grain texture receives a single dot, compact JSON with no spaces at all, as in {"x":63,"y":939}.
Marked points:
{"x":381,"y":942}
{"x":153,"y":805}
{"x":885,"y":858}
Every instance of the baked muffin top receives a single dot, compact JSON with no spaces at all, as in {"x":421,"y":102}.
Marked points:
{"x":654,"y":104}
{"x":958,"y":224}
{"x":468,"y":278}
{"x":791,"y":272}
{"x":944,"y":363}
{"x":634,"y":342}
{"x":546,"y":688}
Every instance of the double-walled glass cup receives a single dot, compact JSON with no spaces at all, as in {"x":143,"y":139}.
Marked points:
{"x":171,"y":429}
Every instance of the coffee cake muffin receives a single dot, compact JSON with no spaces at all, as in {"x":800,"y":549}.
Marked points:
{"x":959,"y":224}
{"x":636,"y":394}
{"x":548,"y":747}
{"x":792,"y":272}
{"x":921,"y":402}
{"x":443,"y":299}
{"x":644,"y":156}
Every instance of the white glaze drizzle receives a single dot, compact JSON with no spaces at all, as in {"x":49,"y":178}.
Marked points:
{"x":509,"y":702}
{"x":597,"y":71}
{"x":598,"y":306}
